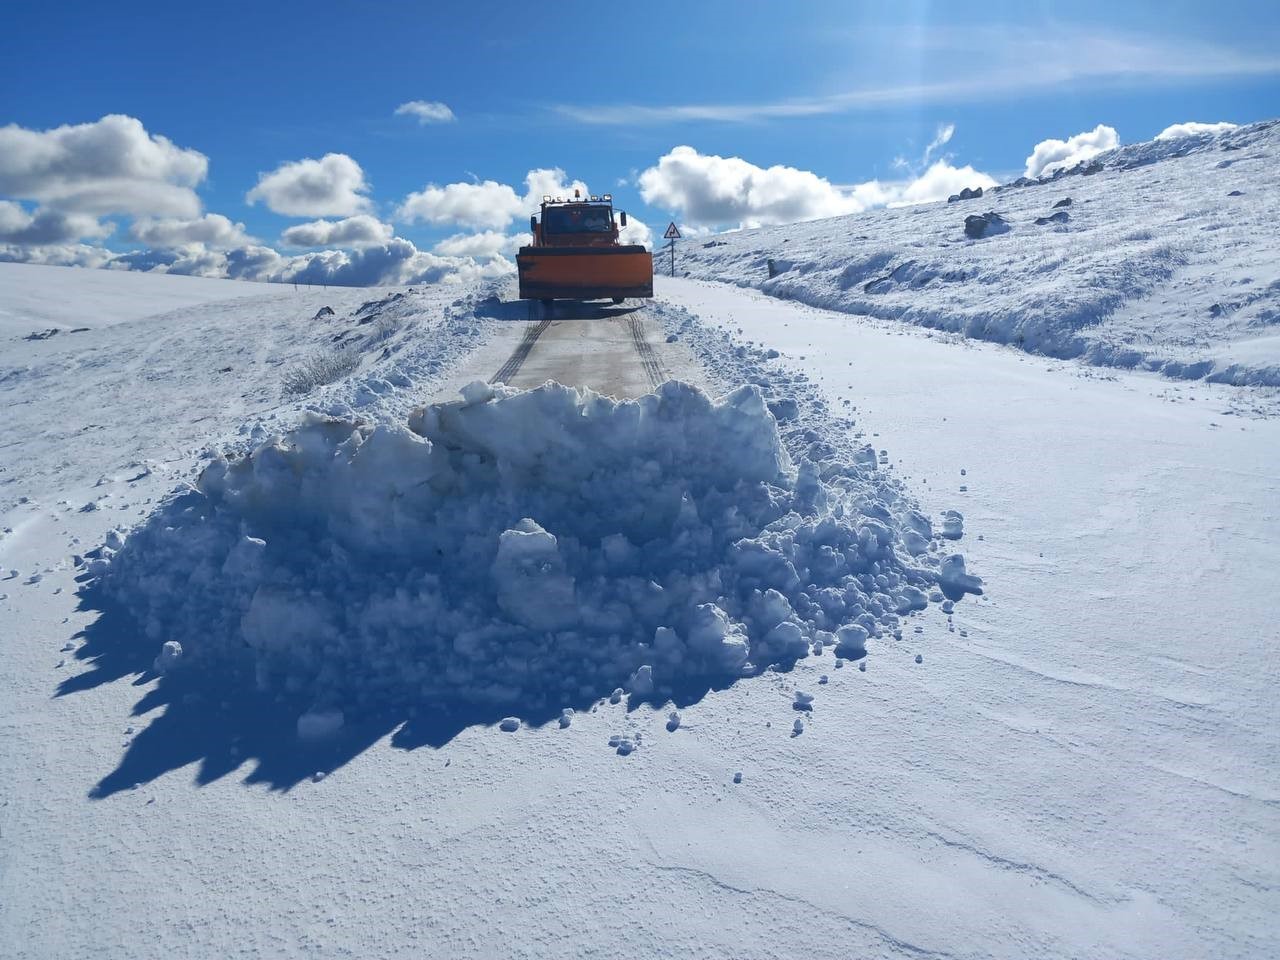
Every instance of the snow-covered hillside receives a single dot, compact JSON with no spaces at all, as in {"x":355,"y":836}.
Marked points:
{"x":1162,"y":255}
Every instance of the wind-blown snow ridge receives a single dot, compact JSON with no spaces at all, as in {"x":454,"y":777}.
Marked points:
{"x":1159,"y":255}
{"x":528,"y":550}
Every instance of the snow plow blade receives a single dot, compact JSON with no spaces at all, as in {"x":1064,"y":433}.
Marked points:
{"x":584,"y":273}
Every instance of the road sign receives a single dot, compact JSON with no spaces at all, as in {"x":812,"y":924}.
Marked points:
{"x":672,"y":233}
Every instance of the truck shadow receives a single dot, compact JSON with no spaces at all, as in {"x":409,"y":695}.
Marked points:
{"x":527,"y":310}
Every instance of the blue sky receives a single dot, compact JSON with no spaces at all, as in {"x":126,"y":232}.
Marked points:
{"x":846,"y":91}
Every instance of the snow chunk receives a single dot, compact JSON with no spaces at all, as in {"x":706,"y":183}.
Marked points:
{"x":170,"y":656}
{"x":641,"y":682}
{"x":954,"y":581}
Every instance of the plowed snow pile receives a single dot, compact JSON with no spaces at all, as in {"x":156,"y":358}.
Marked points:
{"x":531,"y":548}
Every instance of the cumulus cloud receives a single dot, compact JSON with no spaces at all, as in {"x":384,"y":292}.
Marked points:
{"x":46,"y":227}
{"x":212,"y":230}
{"x":358,"y":231}
{"x":60,"y":255}
{"x":395,"y":262}
{"x":712,"y":191}
{"x":1050,"y":155}
{"x":112,"y":165}
{"x":191,"y":260}
{"x":482,"y":246}
{"x":709,"y":189}
{"x":636,"y":231}
{"x":487,"y":205}
{"x":1194,"y":129}
{"x":332,"y":186}
{"x":426,"y":111}
{"x":938,"y":182}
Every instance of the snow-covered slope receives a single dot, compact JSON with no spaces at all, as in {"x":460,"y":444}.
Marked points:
{"x":35,"y":299}
{"x":1161,"y":255}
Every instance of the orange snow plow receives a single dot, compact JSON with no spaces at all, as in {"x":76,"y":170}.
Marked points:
{"x":575,"y":254}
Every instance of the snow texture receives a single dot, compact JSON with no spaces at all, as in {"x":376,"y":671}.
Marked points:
{"x":1169,"y":260}
{"x":530,"y":549}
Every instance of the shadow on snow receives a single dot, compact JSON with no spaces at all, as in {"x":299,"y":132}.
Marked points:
{"x":221,"y":721}
{"x":524,"y":310}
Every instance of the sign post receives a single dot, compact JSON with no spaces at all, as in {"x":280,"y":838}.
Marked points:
{"x":673,"y":235}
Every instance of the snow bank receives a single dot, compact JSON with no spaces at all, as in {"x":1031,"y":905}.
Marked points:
{"x":1160,"y":255}
{"x":526,"y":549}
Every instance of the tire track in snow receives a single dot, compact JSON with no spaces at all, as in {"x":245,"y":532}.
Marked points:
{"x":520,"y":353}
{"x":648,"y":359}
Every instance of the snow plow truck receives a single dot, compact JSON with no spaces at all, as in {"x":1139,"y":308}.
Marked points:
{"x":575,"y":254}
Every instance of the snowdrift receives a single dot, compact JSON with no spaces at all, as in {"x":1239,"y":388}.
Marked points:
{"x":528,"y":550}
{"x":1159,"y":255}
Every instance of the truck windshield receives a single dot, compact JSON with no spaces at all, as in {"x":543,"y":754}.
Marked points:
{"x":576,"y":219}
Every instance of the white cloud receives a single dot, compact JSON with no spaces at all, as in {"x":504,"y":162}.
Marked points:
{"x":328,"y":187}
{"x":112,"y":165}
{"x":482,"y":246}
{"x":945,"y":132}
{"x":636,"y":231}
{"x":1194,"y":129}
{"x":936,"y":183}
{"x":46,"y":227}
{"x":549,"y":182}
{"x":358,"y":231}
{"x":1050,"y":155}
{"x":426,"y":111}
{"x":61,"y":255}
{"x":213,"y":230}
{"x":396,"y":262}
{"x":487,"y":205}
{"x":708,"y":190}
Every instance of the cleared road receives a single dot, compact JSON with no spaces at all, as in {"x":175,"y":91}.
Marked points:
{"x":620,"y":351}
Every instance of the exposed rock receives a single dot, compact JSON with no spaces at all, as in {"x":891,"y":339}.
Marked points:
{"x":966,"y":194}
{"x":1060,"y":217}
{"x":1236,"y":193}
{"x":323,"y":312}
{"x":1064,"y":202}
{"x":985,"y":225}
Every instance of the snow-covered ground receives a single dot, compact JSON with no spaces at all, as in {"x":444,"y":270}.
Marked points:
{"x":1079,"y":762}
{"x":35,"y":299}
{"x":1162,"y":255}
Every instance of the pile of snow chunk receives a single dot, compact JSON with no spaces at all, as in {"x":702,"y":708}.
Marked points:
{"x":535,"y":548}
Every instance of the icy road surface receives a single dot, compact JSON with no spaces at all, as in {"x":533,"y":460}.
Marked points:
{"x":1079,"y":764}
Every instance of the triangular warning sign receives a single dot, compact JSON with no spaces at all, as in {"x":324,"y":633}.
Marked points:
{"x":672,"y":233}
